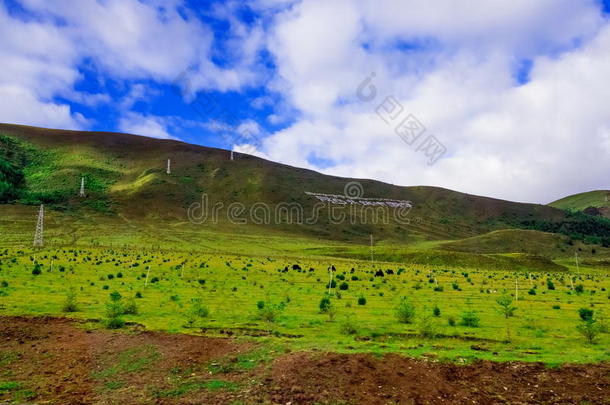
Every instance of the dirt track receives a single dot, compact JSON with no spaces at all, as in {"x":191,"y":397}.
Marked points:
{"x":55,"y":361}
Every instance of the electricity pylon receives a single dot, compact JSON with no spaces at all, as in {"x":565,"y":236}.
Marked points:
{"x":169,"y":166}
{"x":82,"y":187}
{"x":39,"y":228}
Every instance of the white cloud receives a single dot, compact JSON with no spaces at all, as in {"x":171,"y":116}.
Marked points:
{"x":145,"y":125}
{"x":44,"y":49}
{"x":532,"y":142}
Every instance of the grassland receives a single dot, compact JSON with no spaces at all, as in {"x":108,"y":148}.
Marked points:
{"x":579,"y":202}
{"x":230,"y":288}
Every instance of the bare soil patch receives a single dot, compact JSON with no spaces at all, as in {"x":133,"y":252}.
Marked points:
{"x":56,"y":361}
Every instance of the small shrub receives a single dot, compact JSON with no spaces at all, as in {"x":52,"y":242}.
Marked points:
{"x":506,"y":306}
{"x":260,"y":304}
{"x":532,"y":291}
{"x":579,"y":288}
{"x":114,"y":323}
{"x":436,"y":311}
{"x":270,"y":312}
{"x":470,"y":319}
{"x":343,"y":286}
{"x":405,"y":312}
{"x":199,"y":309}
{"x":348,"y":328}
{"x":115,"y":296}
{"x":324,"y":304}
{"x":114,"y":309}
{"x":590,"y":329}
{"x":138,"y":294}
{"x":70,"y":304}
{"x":585,"y":314}
{"x":361,"y":300}
{"x":130,"y":307}
{"x":451,"y":321}
{"x":427,"y":328}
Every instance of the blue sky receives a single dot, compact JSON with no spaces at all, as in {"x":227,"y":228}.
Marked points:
{"x":512,"y":91}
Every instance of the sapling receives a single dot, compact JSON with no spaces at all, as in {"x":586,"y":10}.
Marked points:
{"x":506,"y":306}
{"x":405,"y":312}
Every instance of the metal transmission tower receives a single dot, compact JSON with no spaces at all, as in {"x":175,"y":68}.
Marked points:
{"x":82,"y":187}
{"x":169,"y":166}
{"x":39,"y":228}
{"x":232,"y":155}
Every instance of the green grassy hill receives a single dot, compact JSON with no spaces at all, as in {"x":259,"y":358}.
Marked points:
{"x":131,"y":200}
{"x":598,"y":199}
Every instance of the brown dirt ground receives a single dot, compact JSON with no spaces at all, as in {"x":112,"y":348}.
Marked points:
{"x":60,"y":362}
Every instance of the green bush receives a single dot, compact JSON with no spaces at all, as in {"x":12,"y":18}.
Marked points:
{"x":348,"y":328}
{"x":130,"y":307}
{"x":405,"y":311}
{"x":361,"y":300}
{"x":590,"y":329}
{"x":37,"y":270}
{"x":270,"y":312}
{"x":506,"y":306}
{"x":70,"y":304}
{"x":427,"y":328}
{"x":470,"y":319}
{"x":114,"y":309}
{"x":115,"y":296}
{"x":114,"y":323}
{"x":585,"y":314}
{"x":199,"y":309}
{"x":324,"y":304}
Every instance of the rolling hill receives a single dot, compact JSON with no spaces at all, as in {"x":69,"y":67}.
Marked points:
{"x":594,"y":202}
{"x":131,"y":199}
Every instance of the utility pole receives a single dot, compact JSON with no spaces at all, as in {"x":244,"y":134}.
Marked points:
{"x":169,"y":166}
{"x":516,"y":289}
{"x":147,"y":274}
{"x":39,"y":228}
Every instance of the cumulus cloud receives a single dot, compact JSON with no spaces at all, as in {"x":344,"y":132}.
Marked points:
{"x":46,"y":45}
{"x":454,"y":68}
{"x":145,"y":125}
{"x":515,"y":90}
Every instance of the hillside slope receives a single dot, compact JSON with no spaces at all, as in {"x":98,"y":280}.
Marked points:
{"x":595,"y":202}
{"x":130,"y":197}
